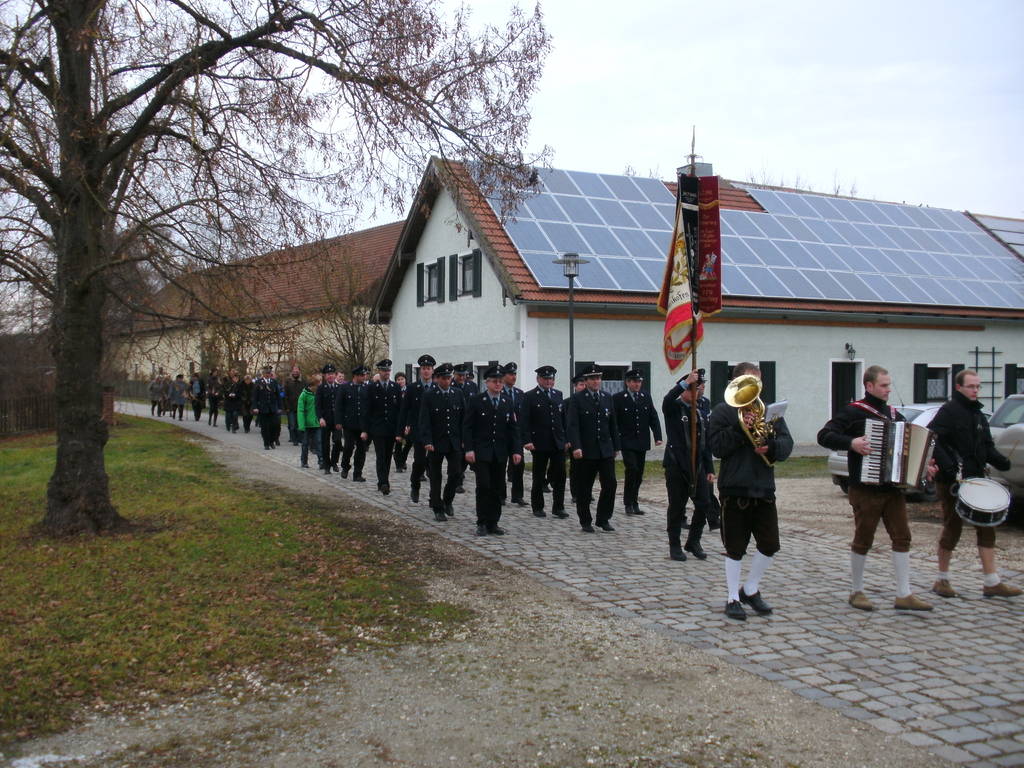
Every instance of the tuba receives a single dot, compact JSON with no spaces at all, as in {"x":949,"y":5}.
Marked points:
{"x":744,"y":394}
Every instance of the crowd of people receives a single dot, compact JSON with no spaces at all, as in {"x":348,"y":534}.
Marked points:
{"x":449,"y":425}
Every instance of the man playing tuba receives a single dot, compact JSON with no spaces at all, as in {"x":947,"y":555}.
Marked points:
{"x":747,"y":447}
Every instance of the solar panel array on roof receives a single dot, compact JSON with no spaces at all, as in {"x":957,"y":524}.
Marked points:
{"x":804,"y":246}
{"x":1010,"y":231}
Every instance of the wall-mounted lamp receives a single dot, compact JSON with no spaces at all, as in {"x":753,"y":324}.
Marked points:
{"x":850,"y":351}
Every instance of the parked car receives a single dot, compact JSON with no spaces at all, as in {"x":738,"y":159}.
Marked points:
{"x":1007,"y":425}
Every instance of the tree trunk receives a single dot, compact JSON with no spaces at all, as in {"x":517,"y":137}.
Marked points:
{"x":78,"y":495}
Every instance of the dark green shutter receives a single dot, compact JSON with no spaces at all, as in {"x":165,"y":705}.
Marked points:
{"x":419,"y":285}
{"x":767,"y":381}
{"x":920,"y":382}
{"x":719,"y":380}
{"x":477,"y":273}
{"x":453,"y":277}
{"x":1009,"y":379}
{"x":953,"y":371}
{"x":440,"y":280}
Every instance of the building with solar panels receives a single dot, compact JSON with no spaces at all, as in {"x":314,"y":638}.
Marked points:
{"x":815,"y":287}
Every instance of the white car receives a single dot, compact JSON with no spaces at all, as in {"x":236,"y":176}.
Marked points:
{"x":916,"y":413}
{"x":1007,"y":425}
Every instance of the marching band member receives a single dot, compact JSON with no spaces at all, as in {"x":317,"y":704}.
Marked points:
{"x":872,"y":503}
{"x":963,"y":438}
{"x":746,"y":484}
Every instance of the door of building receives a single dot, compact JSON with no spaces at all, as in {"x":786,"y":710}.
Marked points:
{"x":844,"y":384}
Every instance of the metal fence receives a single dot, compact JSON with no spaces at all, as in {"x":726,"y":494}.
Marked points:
{"x":27,"y":414}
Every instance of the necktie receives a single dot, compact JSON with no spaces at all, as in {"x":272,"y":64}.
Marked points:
{"x":494,"y":402}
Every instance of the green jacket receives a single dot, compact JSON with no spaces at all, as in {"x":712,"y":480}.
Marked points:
{"x":306,"y":411}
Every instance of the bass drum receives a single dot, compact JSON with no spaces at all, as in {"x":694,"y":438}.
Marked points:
{"x":982,"y":502}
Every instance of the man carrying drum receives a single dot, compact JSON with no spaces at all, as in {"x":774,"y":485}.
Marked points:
{"x":964,"y":446}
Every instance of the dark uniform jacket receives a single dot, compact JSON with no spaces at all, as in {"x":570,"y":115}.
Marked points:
{"x":326,"y":395}
{"x":350,"y":406}
{"x":743,"y":472}
{"x":677,"y":429}
{"x":265,"y":396}
{"x":848,"y":424}
{"x":637,"y":418}
{"x":542,"y":421}
{"x":963,"y":435}
{"x":441,"y":414}
{"x":383,"y":405}
{"x":410,"y":415}
{"x":591,"y":425}
{"x":491,"y":433}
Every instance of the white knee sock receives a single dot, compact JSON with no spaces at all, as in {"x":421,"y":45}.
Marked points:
{"x":991,"y":579}
{"x":857,"y":563}
{"x":901,"y":564}
{"x":732,"y":578}
{"x":758,"y":565}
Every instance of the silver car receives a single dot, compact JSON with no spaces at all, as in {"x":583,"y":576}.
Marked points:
{"x":1007,"y":425}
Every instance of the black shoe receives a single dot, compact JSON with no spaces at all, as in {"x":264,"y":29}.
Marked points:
{"x":496,"y":531}
{"x":449,"y":510}
{"x":439,"y":516}
{"x":304,"y":466}
{"x":539,"y":513}
{"x":460,"y":489}
{"x":266,"y":447}
{"x":637,"y":510}
{"x":519,"y":502}
{"x":630,"y":509}
{"x":755,"y":601}
{"x":546,"y":488}
{"x":695,"y":549}
{"x":358,"y":479}
{"x":588,"y":528}
{"x":605,"y":527}
{"x":675,"y":552}
{"x":735,"y":611}
{"x":400,"y":469}
{"x":559,"y":513}
{"x":385,"y":489}
{"x":481,"y":530}
{"x":414,"y":494}
{"x":344,"y":473}
{"x":327,"y":470}
{"x":685,"y":525}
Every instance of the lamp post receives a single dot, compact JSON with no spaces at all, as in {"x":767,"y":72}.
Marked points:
{"x":571,"y":269}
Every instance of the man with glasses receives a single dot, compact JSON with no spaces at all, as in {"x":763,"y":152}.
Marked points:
{"x":963,"y":447}
{"x":544,"y":436}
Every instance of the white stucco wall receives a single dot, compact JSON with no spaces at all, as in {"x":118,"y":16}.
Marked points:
{"x":802,"y":353}
{"x":478,"y":328}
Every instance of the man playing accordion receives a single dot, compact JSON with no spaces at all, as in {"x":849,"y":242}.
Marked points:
{"x":871,"y":503}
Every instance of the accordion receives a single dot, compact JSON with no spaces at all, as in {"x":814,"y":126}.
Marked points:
{"x":899,"y":456}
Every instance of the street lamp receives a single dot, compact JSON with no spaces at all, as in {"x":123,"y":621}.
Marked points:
{"x":571,"y":269}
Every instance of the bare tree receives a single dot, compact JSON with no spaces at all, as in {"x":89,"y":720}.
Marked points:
{"x":179,"y":133}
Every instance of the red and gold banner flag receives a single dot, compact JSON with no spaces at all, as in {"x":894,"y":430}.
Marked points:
{"x":683,"y":326}
{"x":709,"y":247}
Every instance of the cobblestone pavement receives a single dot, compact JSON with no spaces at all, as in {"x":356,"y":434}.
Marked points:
{"x":951,"y":681}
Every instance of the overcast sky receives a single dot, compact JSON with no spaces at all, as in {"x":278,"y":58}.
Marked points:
{"x":906,"y":101}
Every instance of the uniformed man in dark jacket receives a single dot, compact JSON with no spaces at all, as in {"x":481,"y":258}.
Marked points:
{"x":679,"y":461}
{"x":330,"y":430}
{"x":543,"y":434}
{"x":292,"y":389}
{"x":384,"y":401}
{"x":578,"y":385}
{"x":746,"y":484}
{"x":489,"y":437}
{"x":410,"y":420}
{"x":441,"y":415}
{"x":593,"y":433}
{"x":350,"y":412}
{"x":266,"y":405}
{"x":964,"y":443}
{"x":468,"y":389}
{"x":402,"y":444}
{"x":510,"y":372}
{"x":637,"y":418}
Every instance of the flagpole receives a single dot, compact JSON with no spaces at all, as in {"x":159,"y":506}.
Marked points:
{"x":693,"y":337}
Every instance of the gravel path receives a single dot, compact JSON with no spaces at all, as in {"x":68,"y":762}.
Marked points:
{"x":538,"y":678}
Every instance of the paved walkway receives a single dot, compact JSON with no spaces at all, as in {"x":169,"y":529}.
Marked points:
{"x":951,"y":681}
